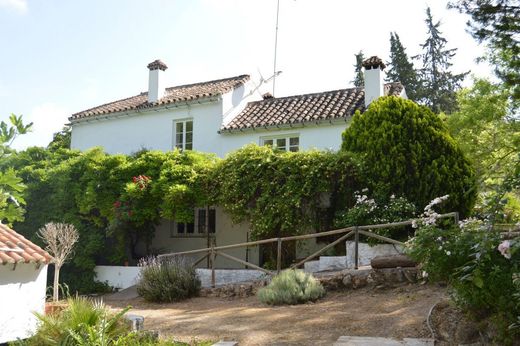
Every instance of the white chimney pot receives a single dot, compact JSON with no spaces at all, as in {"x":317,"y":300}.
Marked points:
{"x":156,"y":80}
{"x":374,"y":79}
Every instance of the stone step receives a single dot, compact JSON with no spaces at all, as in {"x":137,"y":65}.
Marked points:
{"x":379,"y":341}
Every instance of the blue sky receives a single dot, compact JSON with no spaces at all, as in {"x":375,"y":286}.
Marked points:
{"x":60,"y":57}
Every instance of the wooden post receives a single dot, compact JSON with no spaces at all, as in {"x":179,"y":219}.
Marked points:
{"x":456,"y":217}
{"x":213,"y":255}
{"x":279,"y":257}
{"x":356,"y":248}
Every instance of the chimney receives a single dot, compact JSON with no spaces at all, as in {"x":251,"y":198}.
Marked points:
{"x":374,"y":79}
{"x":156,"y":86}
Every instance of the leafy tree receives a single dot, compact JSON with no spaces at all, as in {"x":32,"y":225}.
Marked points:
{"x":439,"y":83}
{"x":11,"y":186}
{"x":401,"y":68}
{"x":61,"y":139}
{"x":489,"y":134}
{"x":406,"y":150}
{"x":359,"y":79}
{"x":497,"y":23}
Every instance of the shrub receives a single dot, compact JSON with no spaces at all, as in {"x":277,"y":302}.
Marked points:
{"x":407,"y":150}
{"x":378,"y":210}
{"x":82,"y":322}
{"x":167,"y":280}
{"x":480,"y":267}
{"x":291,"y":287}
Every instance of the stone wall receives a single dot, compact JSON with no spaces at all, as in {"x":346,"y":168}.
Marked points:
{"x":340,"y":280}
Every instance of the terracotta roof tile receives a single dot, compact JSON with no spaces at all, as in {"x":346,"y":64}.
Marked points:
{"x":325,"y":106}
{"x":14,"y":248}
{"x":181,"y":93}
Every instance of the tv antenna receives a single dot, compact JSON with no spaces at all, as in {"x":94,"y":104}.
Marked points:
{"x":275,"y":44}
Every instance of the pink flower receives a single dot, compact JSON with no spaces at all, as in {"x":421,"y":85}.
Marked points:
{"x":504,"y":248}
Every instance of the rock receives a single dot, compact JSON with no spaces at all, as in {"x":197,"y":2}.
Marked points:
{"x":347,"y":281}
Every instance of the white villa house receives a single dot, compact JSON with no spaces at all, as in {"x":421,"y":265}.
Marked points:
{"x":23,"y":285}
{"x":221,"y":116}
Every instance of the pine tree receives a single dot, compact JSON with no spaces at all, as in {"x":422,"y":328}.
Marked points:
{"x":496,"y":22}
{"x":401,"y":69}
{"x":359,"y":80}
{"x":439,"y":83}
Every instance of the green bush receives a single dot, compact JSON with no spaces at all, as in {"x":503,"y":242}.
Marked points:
{"x":167,"y":280}
{"x":378,"y":210}
{"x":481,"y":269}
{"x":82,"y":322}
{"x":406,"y":149}
{"x":291,"y":287}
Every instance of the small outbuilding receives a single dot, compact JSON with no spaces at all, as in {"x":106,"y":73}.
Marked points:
{"x":23,"y":281}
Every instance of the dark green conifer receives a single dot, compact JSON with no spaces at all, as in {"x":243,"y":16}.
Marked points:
{"x":439,"y":84}
{"x":359,"y":80}
{"x":401,"y":69}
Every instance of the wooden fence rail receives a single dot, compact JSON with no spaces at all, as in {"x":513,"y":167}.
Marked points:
{"x":355,"y":231}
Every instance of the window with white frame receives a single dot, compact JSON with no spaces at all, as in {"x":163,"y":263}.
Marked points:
{"x":200,"y":227}
{"x":183,"y":134}
{"x":284,"y":143}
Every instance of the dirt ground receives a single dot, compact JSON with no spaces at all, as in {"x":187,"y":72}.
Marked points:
{"x":393,"y":312}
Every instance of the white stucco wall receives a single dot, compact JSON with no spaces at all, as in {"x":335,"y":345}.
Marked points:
{"x":151,"y":129}
{"x":119,"y":277}
{"x":324,"y":136}
{"x":22,"y":292}
{"x":124,"y":277}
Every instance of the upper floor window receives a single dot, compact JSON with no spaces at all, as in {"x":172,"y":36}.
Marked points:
{"x":285,"y":143}
{"x":183,"y":137}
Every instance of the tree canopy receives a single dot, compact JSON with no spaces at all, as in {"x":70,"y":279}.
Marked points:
{"x":359,"y":79}
{"x":439,"y":84}
{"x":497,"y":22}
{"x":407,"y":150}
{"x":400,"y":68}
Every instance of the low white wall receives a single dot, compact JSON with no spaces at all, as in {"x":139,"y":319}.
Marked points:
{"x":124,"y":277}
{"x":367,"y":252}
{"x":117,"y":276}
{"x":22,"y":292}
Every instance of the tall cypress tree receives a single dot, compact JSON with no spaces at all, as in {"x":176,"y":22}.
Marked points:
{"x":439,"y":83}
{"x":359,"y":79}
{"x":401,"y":69}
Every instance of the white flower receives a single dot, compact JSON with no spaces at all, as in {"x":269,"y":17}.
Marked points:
{"x":448,"y":253}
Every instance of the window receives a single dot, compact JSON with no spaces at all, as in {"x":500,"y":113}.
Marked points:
{"x":196,"y":228}
{"x":285,"y":143}
{"x":183,"y":137}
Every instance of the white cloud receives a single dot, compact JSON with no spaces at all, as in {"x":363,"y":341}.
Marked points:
{"x":18,"y":5}
{"x":48,"y":118}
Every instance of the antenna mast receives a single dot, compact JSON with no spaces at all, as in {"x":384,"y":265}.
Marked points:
{"x":275,"y":45}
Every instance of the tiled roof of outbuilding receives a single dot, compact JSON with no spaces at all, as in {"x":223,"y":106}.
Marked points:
{"x":318,"y":107}
{"x":181,"y":93}
{"x":14,"y":248}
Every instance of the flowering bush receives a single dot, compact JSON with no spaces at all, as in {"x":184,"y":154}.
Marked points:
{"x":369,"y":211}
{"x":481,"y":268}
{"x":167,"y":280}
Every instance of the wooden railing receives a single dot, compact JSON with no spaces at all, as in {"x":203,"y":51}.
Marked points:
{"x":355,"y":231}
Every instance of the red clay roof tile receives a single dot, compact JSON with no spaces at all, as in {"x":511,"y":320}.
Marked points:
{"x":181,"y":93}
{"x":14,"y":248}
